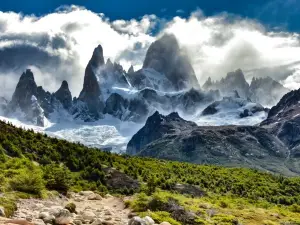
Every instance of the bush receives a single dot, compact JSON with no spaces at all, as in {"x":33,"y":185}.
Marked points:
{"x":29,"y":182}
{"x":57,"y":177}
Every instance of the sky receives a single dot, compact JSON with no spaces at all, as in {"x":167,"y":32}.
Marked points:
{"x":56,"y":38}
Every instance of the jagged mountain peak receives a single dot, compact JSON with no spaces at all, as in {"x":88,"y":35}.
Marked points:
{"x":237,"y":76}
{"x":64,"y":85}
{"x":63,"y":94}
{"x":130,"y":70}
{"x":97,"y":59}
{"x":28,"y":75}
{"x":165,"y":56}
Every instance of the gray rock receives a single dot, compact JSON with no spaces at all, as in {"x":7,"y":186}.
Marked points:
{"x":88,"y":215}
{"x":136,"y":221}
{"x":86,"y":193}
{"x":148,"y":220}
{"x":63,"y":217}
{"x":2,"y":212}
{"x":38,"y":222}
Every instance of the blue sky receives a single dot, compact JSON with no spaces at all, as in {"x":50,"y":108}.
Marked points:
{"x":272,"y":13}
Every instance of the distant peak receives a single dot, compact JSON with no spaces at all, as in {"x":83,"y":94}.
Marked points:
{"x":131,"y":70}
{"x":65,"y":85}
{"x":28,"y":74}
{"x":97,"y":58}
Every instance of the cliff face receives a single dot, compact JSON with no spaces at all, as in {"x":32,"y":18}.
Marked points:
{"x":91,"y":93}
{"x":166,"y":57}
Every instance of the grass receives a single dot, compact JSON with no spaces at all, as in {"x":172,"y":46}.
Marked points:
{"x":218,"y":209}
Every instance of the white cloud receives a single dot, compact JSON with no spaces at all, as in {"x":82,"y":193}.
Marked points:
{"x":58,"y":45}
{"x":66,"y":39}
{"x":219,"y":44}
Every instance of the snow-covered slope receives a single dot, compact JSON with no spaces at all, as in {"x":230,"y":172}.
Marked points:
{"x":108,"y":134}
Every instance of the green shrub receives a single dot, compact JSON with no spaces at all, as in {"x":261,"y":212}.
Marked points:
{"x":9,"y":206}
{"x":57,"y":177}
{"x":29,"y":182}
{"x":71,"y":207}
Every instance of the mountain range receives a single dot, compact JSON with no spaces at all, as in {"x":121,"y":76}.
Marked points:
{"x":167,"y":84}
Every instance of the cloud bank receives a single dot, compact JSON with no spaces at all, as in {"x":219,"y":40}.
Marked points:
{"x":58,"y":46}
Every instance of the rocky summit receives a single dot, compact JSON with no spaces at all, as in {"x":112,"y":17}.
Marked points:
{"x":166,"y":57}
{"x":91,"y":95}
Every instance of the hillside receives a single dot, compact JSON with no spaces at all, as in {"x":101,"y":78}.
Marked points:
{"x":65,"y":166}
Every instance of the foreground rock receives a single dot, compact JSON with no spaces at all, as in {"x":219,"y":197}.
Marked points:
{"x":90,"y":207}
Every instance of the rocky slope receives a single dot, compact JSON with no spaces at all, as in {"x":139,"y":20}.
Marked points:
{"x":85,"y":207}
{"x":171,"y":137}
{"x":284,"y":120}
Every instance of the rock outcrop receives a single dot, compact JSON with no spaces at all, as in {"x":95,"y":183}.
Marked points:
{"x":170,"y":137}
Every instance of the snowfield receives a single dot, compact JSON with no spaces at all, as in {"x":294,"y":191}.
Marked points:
{"x":113,"y":135}
{"x":109,"y":133}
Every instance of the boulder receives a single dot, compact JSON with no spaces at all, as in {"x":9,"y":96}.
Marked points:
{"x":88,"y":215}
{"x":86,"y":193}
{"x":63,"y":217}
{"x":38,"y":222}
{"x":136,"y":221}
{"x":149,"y":220}
{"x":2,"y":212}
{"x":94,"y":197}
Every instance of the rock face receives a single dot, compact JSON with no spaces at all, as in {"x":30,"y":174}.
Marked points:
{"x":91,"y":94}
{"x":28,"y":98}
{"x":26,"y":88}
{"x":284,"y":119}
{"x":3,"y":104}
{"x":171,"y":137}
{"x":64,"y":95}
{"x":166,"y":57}
{"x":266,"y":91}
